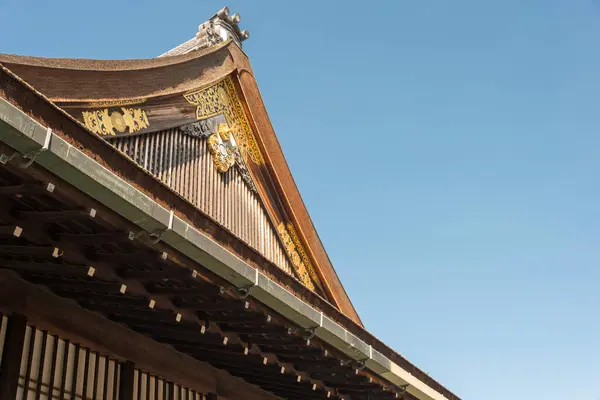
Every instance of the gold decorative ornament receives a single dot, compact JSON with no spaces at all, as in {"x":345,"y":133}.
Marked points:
{"x":221,"y":99}
{"x":105,"y":124}
{"x":222,"y":146}
{"x":298,"y":256}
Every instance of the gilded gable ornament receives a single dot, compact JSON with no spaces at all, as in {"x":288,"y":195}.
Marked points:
{"x":298,"y":256}
{"x":221,"y":99}
{"x":107,"y":123}
{"x":222,"y":146}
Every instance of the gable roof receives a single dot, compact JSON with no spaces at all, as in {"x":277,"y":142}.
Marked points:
{"x":76,"y":84}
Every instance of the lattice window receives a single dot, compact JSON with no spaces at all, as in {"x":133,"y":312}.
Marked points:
{"x":53,"y":368}
{"x":151,"y":387}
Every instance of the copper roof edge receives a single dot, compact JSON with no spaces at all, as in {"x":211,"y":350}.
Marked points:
{"x":85,"y":64}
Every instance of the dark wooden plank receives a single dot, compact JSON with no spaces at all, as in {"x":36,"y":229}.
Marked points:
{"x":11,"y":230}
{"x":137,"y":257}
{"x":169,"y":272}
{"x":57,"y":216}
{"x":47,"y":267}
{"x":185,"y":292}
{"x":11,"y":359}
{"x":220,"y":306}
{"x":19,"y":190}
{"x":31,"y":251}
{"x":126,"y":381}
{"x":94,"y":238}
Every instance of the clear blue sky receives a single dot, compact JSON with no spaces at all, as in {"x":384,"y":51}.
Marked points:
{"x":448,"y":152}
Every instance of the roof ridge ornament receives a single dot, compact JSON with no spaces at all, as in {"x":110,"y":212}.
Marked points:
{"x":220,"y":28}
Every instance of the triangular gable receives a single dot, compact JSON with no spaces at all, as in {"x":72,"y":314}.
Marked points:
{"x":209,"y":162}
{"x":198,"y":124}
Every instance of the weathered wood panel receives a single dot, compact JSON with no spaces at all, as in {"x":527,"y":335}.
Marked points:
{"x":185,"y":164}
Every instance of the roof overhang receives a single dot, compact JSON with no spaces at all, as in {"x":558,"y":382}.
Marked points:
{"x":45,"y":148}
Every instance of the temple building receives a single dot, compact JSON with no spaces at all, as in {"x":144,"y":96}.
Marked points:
{"x":154,"y":245}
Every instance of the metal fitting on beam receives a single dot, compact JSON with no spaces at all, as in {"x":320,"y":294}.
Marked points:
{"x":309,"y":333}
{"x":30,"y":157}
{"x":5,"y":158}
{"x":243,"y":292}
{"x":362,"y":364}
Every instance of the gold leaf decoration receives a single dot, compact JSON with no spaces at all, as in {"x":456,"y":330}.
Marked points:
{"x":118,"y":121}
{"x":221,"y":98}
{"x":222,"y":148}
{"x":297,"y":254}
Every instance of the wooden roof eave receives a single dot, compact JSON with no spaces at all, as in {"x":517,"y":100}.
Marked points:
{"x":73,"y":137}
{"x":85,"y":80}
{"x":102,"y":80}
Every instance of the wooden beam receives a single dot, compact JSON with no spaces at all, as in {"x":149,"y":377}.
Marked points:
{"x":222,"y":306}
{"x":264,"y":329}
{"x":117,"y":299}
{"x":84,"y":284}
{"x":49,"y":267}
{"x":137,"y":257}
{"x":94,"y":238}
{"x":262,"y":341}
{"x":57,"y":216}
{"x":185,"y":292}
{"x":25,"y":188}
{"x":66,"y":318}
{"x":38,"y":251}
{"x":11,"y":359}
{"x":125,"y":312}
{"x":238,"y":319}
{"x":11,"y":230}
{"x":168,"y":272}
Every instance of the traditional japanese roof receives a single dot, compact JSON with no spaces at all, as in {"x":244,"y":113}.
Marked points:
{"x":195,"y":125}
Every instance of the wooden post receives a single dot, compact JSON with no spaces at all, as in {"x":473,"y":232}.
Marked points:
{"x":171,"y":395}
{"x":127,"y":381}
{"x":11,"y":359}
{"x":211,"y":396}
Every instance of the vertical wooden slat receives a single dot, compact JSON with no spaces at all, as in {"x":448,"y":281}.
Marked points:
{"x":105,"y":387}
{"x":184,"y":164}
{"x":11,"y":358}
{"x":74,"y":375}
{"x":86,"y":370}
{"x":63,"y":378}
{"x":147,"y":396}
{"x":117,"y":370}
{"x":40,"y":373}
{"x":96,"y":376}
{"x":139,"y":386}
{"x":32,"y":338}
{"x":127,"y":381}
{"x":55,"y":347}
{"x":156,"y":388}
